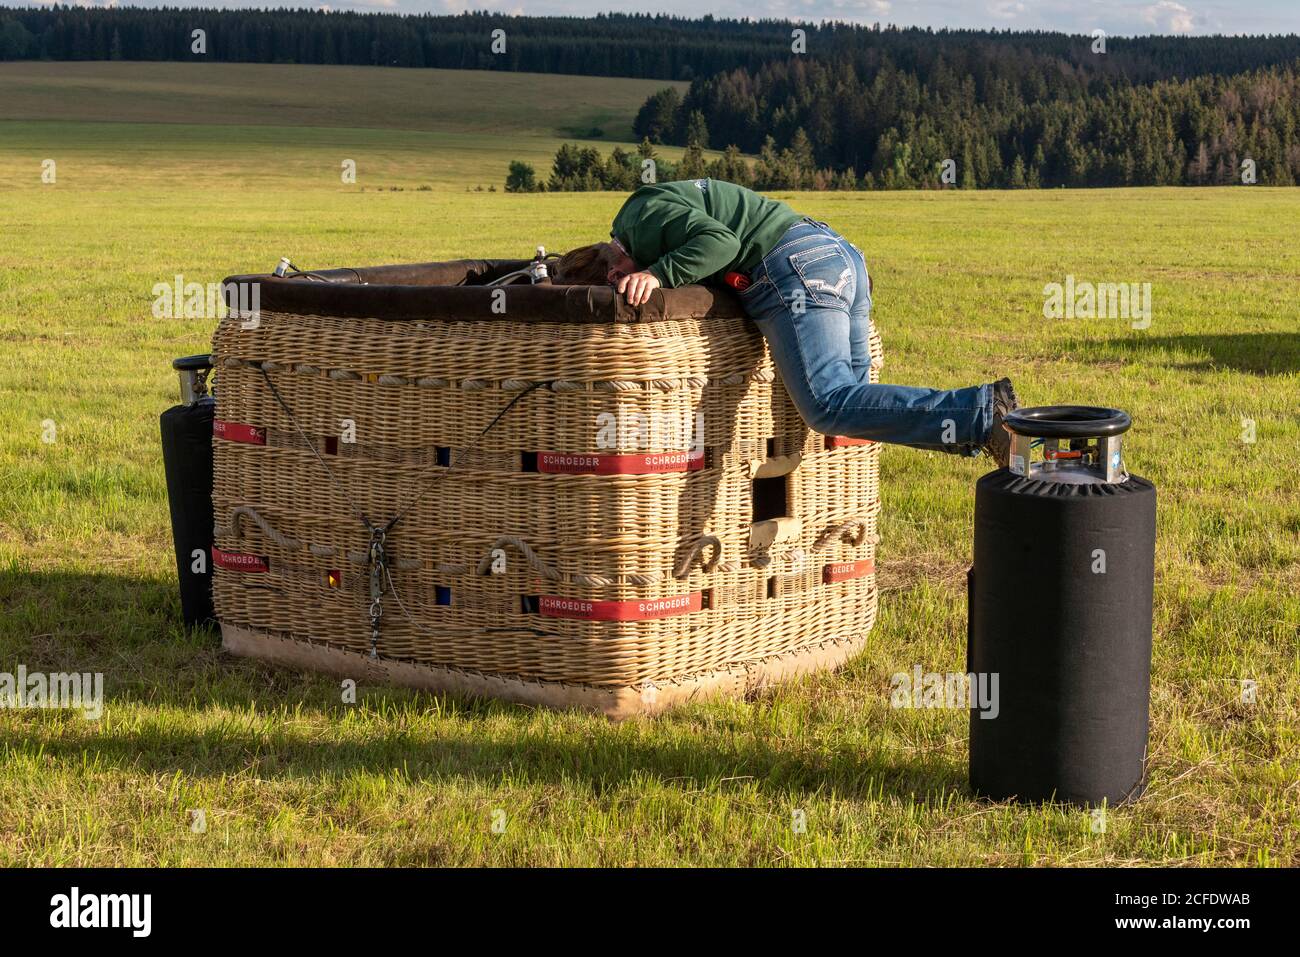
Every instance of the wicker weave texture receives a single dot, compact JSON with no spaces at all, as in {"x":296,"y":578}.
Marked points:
{"x":502,"y":566}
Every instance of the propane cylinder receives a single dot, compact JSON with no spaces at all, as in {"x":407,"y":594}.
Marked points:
{"x":187,"y":462}
{"x":1059,"y":613}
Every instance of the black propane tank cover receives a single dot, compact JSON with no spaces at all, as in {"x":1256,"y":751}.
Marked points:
{"x":1060,"y":610}
{"x":187,"y":462}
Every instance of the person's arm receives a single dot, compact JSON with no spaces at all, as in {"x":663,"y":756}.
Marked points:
{"x":697,"y":246}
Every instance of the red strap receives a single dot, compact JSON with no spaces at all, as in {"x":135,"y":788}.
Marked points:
{"x":634,"y":463}
{"x":842,"y":441}
{"x":239,"y":561}
{"x":842,"y":571}
{"x":555,"y":606}
{"x":238,"y":432}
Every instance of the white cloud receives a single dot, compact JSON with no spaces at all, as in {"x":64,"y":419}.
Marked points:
{"x":1170,"y":16}
{"x":1006,"y":9}
{"x":840,"y":9}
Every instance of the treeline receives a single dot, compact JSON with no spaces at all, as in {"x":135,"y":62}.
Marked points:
{"x":583,"y":169}
{"x":636,"y":45}
{"x":822,"y":105}
{"x":992,"y":122}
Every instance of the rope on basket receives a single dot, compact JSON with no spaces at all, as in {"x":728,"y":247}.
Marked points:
{"x":852,"y":532}
{"x":236,"y":530}
{"x":507,"y":385}
{"x":683,"y":569}
{"x":541,"y":568}
{"x":841,"y":530}
{"x":530,"y":556}
{"x":380,"y":578}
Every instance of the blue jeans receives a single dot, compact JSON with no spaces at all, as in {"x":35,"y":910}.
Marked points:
{"x":811,"y":298}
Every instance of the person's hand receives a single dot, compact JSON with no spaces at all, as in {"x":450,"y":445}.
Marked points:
{"x":638,"y":286}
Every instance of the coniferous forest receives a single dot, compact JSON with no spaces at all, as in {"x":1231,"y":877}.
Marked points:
{"x":841,"y":106}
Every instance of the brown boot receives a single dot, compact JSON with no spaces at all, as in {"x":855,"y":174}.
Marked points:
{"x":998,"y":444}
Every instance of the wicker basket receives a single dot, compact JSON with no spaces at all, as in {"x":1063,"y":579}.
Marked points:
{"x":650,"y":520}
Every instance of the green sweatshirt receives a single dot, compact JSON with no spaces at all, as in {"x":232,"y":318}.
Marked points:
{"x":693,"y":230}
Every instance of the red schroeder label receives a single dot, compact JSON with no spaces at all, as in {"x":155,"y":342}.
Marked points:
{"x":842,"y":571}
{"x":553,"y":606}
{"x":239,"y":561}
{"x":840,"y":441}
{"x":238,"y":432}
{"x":633,"y":463}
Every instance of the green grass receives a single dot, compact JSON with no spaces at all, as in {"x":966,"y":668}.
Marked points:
{"x":287,"y":773}
{"x":277,"y":95}
{"x":154,"y":125}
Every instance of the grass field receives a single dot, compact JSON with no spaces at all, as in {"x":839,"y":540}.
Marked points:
{"x":286,"y":773}
{"x":110,"y":125}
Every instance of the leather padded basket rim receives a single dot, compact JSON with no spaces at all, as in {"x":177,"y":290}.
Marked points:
{"x":457,"y":291}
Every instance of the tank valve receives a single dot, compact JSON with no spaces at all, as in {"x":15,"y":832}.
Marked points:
{"x":193,"y":372}
{"x":1093,"y":438}
{"x":537,"y":268}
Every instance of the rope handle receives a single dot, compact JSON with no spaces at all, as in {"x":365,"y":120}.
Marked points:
{"x":683,"y":569}
{"x":852,"y":532}
{"x":841,"y":532}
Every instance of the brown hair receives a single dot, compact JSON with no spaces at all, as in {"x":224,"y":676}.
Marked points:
{"x":587,"y":265}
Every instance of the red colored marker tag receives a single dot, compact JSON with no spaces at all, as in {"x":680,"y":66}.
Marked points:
{"x":843,"y":441}
{"x":554,"y":606}
{"x":634,"y":463}
{"x":239,"y":561}
{"x":238,"y":432}
{"x":737,"y":281}
{"x":843,"y":571}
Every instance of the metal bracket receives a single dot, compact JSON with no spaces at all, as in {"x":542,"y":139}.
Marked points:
{"x":1110,"y":456}
{"x":378,"y":565}
{"x":1019,"y":463}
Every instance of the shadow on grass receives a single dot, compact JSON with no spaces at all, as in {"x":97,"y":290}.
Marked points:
{"x":129,"y":629}
{"x":701,"y":762}
{"x":1257,"y":353}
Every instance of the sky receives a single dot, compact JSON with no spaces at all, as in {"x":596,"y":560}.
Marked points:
{"x":1116,"y":17}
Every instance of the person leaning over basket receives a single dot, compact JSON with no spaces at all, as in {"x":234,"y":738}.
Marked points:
{"x":806,"y":288}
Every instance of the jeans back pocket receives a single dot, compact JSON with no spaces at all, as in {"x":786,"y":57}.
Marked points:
{"x":826,"y":274}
